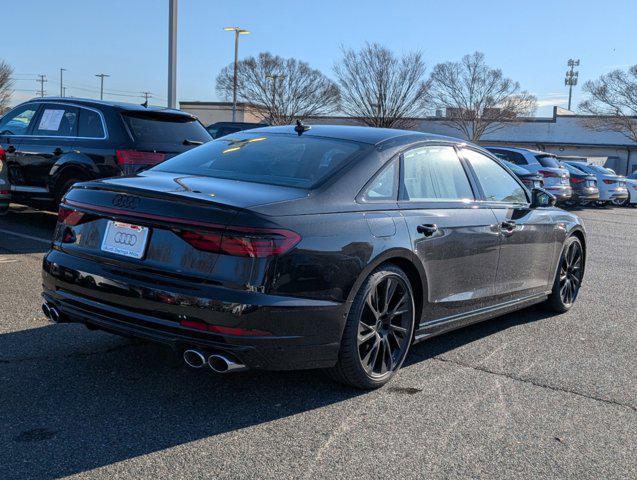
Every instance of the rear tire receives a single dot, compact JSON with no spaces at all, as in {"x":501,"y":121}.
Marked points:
{"x":378,"y":331}
{"x":568,"y":278}
{"x":63,"y":188}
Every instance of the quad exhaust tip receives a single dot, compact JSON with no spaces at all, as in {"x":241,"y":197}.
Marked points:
{"x":194,"y":358}
{"x":222,"y":364}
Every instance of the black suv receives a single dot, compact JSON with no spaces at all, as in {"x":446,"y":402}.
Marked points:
{"x":51,"y":143}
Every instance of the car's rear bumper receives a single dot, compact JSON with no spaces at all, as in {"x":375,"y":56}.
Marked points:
{"x":561,"y":193}
{"x":303,"y":333}
{"x":586,"y":194}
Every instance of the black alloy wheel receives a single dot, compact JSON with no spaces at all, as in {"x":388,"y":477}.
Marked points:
{"x":569,"y":276}
{"x":378,"y":331}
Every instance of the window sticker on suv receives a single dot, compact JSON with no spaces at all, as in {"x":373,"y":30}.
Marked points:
{"x":51,"y":120}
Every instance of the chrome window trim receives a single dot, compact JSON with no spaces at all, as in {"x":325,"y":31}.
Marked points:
{"x":101,"y":115}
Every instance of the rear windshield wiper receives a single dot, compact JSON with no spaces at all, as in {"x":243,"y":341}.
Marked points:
{"x":191,"y":142}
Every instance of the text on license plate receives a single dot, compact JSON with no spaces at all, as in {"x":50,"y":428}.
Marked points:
{"x":125,"y":239}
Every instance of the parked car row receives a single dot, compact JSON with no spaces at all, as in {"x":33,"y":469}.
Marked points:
{"x":571,"y":181}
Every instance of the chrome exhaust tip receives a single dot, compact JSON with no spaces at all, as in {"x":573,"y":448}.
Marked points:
{"x":55,"y":315}
{"x":222,"y":364}
{"x":194,"y":358}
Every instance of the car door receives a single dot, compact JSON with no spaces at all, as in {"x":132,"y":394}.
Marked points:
{"x":53,"y":134}
{"x":454,"y":237}
{"x":527,"y":235}
{"x":14,"y":126}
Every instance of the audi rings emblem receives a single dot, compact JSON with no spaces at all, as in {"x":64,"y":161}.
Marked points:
{"x":126,"y":201}
{"x":125,"y":239}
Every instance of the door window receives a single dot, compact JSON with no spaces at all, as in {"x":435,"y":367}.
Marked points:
{"x":90,"y":124}
{"x":17,"y":121}
{"x":497,"y":184}
{"x":57,"y":121}
{"x":434,"y":173}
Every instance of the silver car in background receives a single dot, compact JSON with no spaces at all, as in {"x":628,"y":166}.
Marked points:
{"x":631,"y":186}
{"x":556,"y":177}
{"x":612,"y":187}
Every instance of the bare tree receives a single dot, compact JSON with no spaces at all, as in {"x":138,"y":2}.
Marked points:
{"x":612,"y":99}
{"x":478,"y":99}
{"x":6,"y":85}
{"x":380,"y":89}
{"x":280,"y":90}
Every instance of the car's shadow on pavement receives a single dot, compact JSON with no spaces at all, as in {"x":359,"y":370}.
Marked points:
{"x":74,"y":400}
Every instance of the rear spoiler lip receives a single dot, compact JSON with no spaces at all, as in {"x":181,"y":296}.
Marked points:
{"x":141,"y":215}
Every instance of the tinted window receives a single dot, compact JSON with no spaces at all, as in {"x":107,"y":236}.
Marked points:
{"x":498,"y":185}
{"x":383,"y":187}
{"x":90,"y":124}
{"x":633,"y":176}
{"x":17,"y":121}
{"x":513,"y":157}
{"x":289,"y":160}
{"x":572,"y":170}
{"x":157,"y":127}
{"x":435,"y":173}
{"x":514,"y":168}
{"x":548,"y":161}
{"x":57,"y":121}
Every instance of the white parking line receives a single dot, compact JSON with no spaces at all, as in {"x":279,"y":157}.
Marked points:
{"x":23,"y":235}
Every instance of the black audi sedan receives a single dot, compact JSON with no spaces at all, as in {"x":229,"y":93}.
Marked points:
{"x":294,"y":247}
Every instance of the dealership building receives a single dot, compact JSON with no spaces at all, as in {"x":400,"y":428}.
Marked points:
{"x":564,"y":133}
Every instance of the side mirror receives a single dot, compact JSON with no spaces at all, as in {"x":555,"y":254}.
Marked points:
{"x":541,"y":198}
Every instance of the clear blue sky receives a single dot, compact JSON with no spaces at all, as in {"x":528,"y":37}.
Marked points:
{"x":530,"y":41}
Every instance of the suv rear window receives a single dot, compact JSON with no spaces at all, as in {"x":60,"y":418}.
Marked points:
{"x":548,"y":161}
{"x":159,"y":127}
{"x":275,"y":159}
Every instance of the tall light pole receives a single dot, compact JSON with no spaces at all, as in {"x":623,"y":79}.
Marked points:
{"x":61,"y":82}
{"x":274,"y":79}
{"x":237,"y":31}
{"x":571,"y":78}
{"x":102,"y":75}
{"x":172,"y":54}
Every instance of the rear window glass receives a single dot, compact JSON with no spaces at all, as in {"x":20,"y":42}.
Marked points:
{"x":548,"y":161}
{"x":288,"y":160}
{"x":164,"y":128}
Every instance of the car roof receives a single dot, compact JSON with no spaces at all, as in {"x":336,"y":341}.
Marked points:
{"x":519,"y":150}
{"x":124,"y":106}
{"x":370,"y":135}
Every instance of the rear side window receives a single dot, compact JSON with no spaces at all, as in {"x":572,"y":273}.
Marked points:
{"x":17,"y":121}
{"x":548,"y":161}
{"x":288,"y":160}
{"x":57,"y":121}
{"x":158,"y":127}
{"x":513,"y":157}
{"x":90,"y":124}
{"x":384,"y":185}
{"x":498,"y":184}
{"x":434,"y":174}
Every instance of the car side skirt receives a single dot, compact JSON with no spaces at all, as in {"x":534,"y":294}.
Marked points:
{"x":431,"y":329}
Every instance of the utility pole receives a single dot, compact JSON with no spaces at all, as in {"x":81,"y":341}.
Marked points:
{"x":42,"y":79}
{"x":146,"y":96}
{"x":237,"y":31}
{"x":172,"y":54}
{"x":101,"y":75}
{"x":61,"y":82}
{"x":571,"y":78}
{"x":274,"y":79}
{"x":63,"y":91}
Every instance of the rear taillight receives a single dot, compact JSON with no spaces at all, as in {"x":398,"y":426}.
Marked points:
{"x":609,"y":182}
{"x":3,"y":155}
{"x":136,"y":157}
{"x":242,"y":241}
{"x":70,"y":217}
{"x":577,"y":180}
{"x":549,"y":174}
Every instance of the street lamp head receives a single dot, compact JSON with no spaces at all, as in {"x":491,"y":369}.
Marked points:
{"x":240,"y":31}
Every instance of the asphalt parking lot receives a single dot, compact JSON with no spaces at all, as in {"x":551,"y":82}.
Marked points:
{"x":529,"y":395}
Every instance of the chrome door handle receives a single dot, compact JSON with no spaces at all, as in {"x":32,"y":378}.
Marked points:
{"x":427,"y":229}
{"x":508,"y":226}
